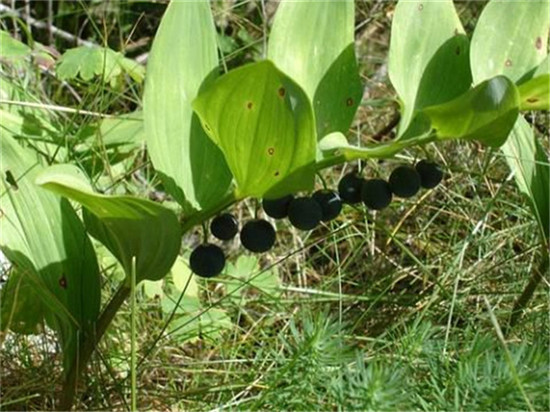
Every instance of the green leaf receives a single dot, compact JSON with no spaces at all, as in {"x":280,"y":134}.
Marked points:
{"x":423,"y":54}
{"x":322,"y":61}
{"x":11,"y":49}
{"x":510,"y":38}
{"x":88,"y":62}
{"x":535,"y":93}
{"x":263,"y":123}
{"x":183,"y":57}
{"x":487,"y":113}
{"x":529,"y":162}
{"x":45,"y":240}
{"x":129,"y":227}
{"x":208,"y":326}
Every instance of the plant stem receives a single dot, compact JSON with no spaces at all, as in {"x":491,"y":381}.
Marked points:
{"x":528,"y":292}
{"x":134,"y":337}
{"x":88,"y":345}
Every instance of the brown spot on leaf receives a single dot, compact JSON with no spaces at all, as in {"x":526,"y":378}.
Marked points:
{"x":63,"y":281}
{"x":457,"y":50}
{"x":420,"y":7}
{"x":281,"y":91}
{"x":538,"y":43}
{"x":207,"y":128}
{"x":271,"y":151}
{"x":349,"y":102}
{"x":11,"y":180}
{"x":532,"y":100}
{"x":456,"y":32}
{"x":508,"y":63}
{"x":249,"y":105}
{"x":276,"y":173}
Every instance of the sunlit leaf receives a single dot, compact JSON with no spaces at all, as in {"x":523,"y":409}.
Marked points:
{"x":320,"y":57}
{"x":263,"y":123}
{"x":510,"y":38}
{"x":535,"y":93}
{"x":423,"y":53}
{"x":128,"y":226}
{"x":183,"y":58}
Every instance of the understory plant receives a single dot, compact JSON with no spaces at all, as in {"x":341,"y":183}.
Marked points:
{"x":263,"y":130}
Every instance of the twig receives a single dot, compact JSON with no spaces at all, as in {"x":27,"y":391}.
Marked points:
{"x":55,"y":108}
{"x":62,"y":34}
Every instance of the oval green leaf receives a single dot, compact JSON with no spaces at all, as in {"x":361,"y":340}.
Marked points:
{"x":128,"y":226}
{"x":321,"y":61}
{"x":263,"y":123}
{"x":183,"y":58}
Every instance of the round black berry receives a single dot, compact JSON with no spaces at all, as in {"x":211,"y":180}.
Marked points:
{"x":277,"y":208}
{"x":207,"y":260}
{"x":376,"y":194}
{"x":430,"y":174}
{"x":404,"y":181}
{"x":349,"y":188}
{"x":224,"y":226}
{"x":258,"y":235}
{"x":304,"y":213}
{"x":330,"y":202}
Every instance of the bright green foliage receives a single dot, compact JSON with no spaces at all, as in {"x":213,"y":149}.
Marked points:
{"x":88,"y":62}
{"x":245,"y":272}
{"x":527,"y":158}
{"x":511,"y":38}
{"x":263,"y":123}
{"x":422,"y":42}
{"x":12,"y":49}
{"x":128,"y":226}
{"x":486,"y":113}
{"x":44,"y":238}
{"x":183,"y":58}
{"x":320,"y":57}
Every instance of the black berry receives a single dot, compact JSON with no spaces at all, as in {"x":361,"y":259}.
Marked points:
{"x":258,"y":235}
{"x":304,"y":213}
{"x":277,"y":208}
{"x":376,"y":194}
{"x":207,"y":260}
{"x":349,"y":188}
{"x":404,"y":181}
{"x":430,"y":174}
{"x":224,"y":226}
{"x":330,"y":202}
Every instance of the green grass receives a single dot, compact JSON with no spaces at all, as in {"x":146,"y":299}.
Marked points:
{"x":382,"y":311}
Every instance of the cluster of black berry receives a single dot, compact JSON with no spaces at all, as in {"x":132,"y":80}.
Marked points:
{"x":404,"y":182}
{"x":305,"y":212}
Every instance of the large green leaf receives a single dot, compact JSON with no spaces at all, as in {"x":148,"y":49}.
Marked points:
{"x":313,"y":43}
{"x":46,"y":241}
{"x":487,"y":113}
{"x":528,"y":160}
{"x":511,"y":38}
{"x":427,"y":59}
{"x":263,"y":123}
{"x":128,"y":226}
{"x":183,"y":57}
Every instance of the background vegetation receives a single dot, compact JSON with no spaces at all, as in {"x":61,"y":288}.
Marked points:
{"x":404,"y":309}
